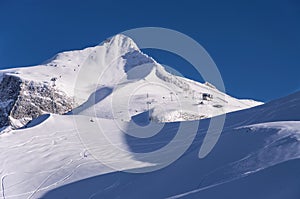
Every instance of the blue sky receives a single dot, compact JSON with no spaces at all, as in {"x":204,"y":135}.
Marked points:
{"x":255,"y":44}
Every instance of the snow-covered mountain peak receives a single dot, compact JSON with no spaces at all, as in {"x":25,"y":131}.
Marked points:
{"x":121,"y":42}
{"x":69,"y":156}
{"x":117,"y":45}
{"x":123,"y":79}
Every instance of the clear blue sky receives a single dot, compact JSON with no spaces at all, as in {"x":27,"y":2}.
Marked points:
{"x":255,"y":44}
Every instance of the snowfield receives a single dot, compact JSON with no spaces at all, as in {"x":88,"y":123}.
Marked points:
{"x":49,"y":160}
{"x":91,"y":152}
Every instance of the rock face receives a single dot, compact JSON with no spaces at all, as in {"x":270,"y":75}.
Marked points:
{"x":10,"y":87}
{"x":22,"y":100}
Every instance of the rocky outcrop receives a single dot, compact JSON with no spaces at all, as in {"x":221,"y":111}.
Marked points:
{"x":22,"y":100}
{"x":10,"y":87}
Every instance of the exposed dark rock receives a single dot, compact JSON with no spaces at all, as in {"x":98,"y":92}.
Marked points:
{"x":23,"y":100}
{"x":10,"y":87}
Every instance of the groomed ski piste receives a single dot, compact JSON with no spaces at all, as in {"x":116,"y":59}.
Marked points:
{"x":256,"y":156}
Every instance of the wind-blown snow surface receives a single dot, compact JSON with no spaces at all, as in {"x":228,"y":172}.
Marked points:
{"x":257,"y":156}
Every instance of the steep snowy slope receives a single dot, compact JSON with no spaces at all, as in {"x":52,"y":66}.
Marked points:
{"x":112,"y":80}
{"x":257,"y":156}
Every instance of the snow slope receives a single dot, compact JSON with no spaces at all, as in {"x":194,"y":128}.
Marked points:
{"x":115,"y":80}
{"x":257,"y":156}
